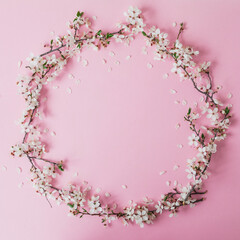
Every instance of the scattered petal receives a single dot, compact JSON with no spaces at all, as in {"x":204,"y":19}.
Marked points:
{"x":69,"y":90}
{"x":229,"y":95}
{"x":172,"y":91}
{"x":202,"y":99}
{"x":79,"y":58}
{"x":111,"y":53}
{"x":174,"y":24}
{"x":117,"y":62}
{"x":144,"y":51}
{"x":115,"y":206}
{"x":98,"y":190}
{"x":19,"y":64}
{"x":84,"y":62}
{"x":180,"y":146}
{"x":4,"y":168}
{"x":128,"y":57}
{"x":107,"y":194}
{"x":78,"y":81}
{"x":19,"y":170}
{"x":94,"y":17}
{"x":184,"y":102}
{"x":85,"y":182}
{"x":53,"y":133}
{"x":162,"y":172}
{"x":124,"y":186}
{"x":175,"y":183}
{"x":109,"y":69}
{"x":175,"y":167}
{"x":177,"y":102}
{"x":89,"y":188}
{"x":168,"y":183}
{"x":46,"y":130}
{"x":149,"y":65}
{"x":20,"y":185}
{"x":75,"y":174}
{"x":55,"y":87}
{"x":165,"y":75}
{"x":177,"y":126}
{"x":70,"y":76}
{"x":147,"y":200}
{"x":104,"y":61}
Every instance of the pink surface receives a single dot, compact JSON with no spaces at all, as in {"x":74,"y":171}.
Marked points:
{"x":119,"y":127}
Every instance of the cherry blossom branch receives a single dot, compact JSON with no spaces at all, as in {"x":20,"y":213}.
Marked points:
{"x":180,"y":30}
{"x":78,"y":41}
{"x":44,"y":160}
{"x":47,"y":66}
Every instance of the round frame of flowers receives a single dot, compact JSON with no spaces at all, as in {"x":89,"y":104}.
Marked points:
{"x":80,"y":200}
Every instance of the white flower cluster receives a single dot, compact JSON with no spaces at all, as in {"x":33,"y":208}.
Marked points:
{"x":139,"y":214}
{"x":155,"y":36}
{"x":135,"y":19}
{"x":79,"y":21}
{"x":41,"y":182}
{"x":95,"y":205}
{"x":34,"y":148}
{"x":134,"y":25}
{"x":183,"y":56}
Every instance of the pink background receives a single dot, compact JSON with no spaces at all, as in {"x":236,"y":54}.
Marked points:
{"x":119,"y":127}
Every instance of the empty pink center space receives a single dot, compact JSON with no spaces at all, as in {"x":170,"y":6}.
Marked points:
{"x":115,"y":122}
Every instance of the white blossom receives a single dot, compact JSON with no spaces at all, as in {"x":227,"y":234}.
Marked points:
{"x":94,"y":205}
{"x":193,"y":140}
{"x":213,"y":114}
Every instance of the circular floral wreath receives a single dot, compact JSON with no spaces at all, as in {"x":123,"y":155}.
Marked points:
{"x":80,"y":200}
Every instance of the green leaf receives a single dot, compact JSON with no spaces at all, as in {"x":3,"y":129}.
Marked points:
{"x":51,"y":41}
{"x":175,"y":55}
{"x":79,"y":46}
{"x":79,"y":14}
{"x":226,"y":110}
{"x":189,"y":111}
{"x":70,"y":205}
{"x":165,"y":198}
{"x":99,"y":32}
{"x":44,"y":65}
{"x":144,"y":34}
{"x":108,"y":35}
{"x":60,"y":167}
{"x":203,"y":136}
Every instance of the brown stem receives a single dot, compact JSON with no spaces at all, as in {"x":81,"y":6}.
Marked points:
{"x":45,"y":160}
{"x":180,"y":30}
